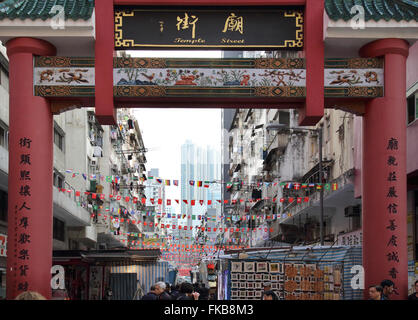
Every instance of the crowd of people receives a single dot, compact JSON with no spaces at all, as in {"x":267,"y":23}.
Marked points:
{"x":188,"y":291}
{"x":184,"y":291}
{"x":386,"y":289}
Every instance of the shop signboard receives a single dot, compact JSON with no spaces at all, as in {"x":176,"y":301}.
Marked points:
{"x":354,"y":238}
{"x":221,"y":28}
{"x":3,"y":245}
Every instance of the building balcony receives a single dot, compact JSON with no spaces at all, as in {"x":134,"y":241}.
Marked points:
{"x":86,"y":235}
{"x":66,"y":209}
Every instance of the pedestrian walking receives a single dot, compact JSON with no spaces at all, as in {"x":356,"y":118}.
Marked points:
{"x":30,"y":295}
{"x":187,"y":292}
{"x":267,"y":288}
{"x":175,"y":292}
{"x":204,"y":292}
{"x":151,"y":295}
{"x":270,"y":295}
{"x":375,"y":292}
{"x":162,"y":288}
{"x":414,"y":296}
{"x":108,"y":294}
{"x":387,"y":287}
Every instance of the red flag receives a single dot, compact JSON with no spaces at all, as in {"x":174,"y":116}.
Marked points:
{"x":291,"y":199}
{"x":219,"y":201}
{"x":281,"y":199}
{"x":299,"y":200}
{"x":77,"y":193}
{"x":118,"y":198}
{"x":152,"y":200}
{"x":185,"y":201}
{"x":209,"y":202}
{"x":93,"y":195}
{"x":168,"y":202}
{"x":160,"y":201}
{"x":306,"y":199}
{"x":143,"y":200}
{"x":201,"y":202}
{"x":192,"y":202}
{"x":127,"y":199}
{"x":241,"y":200}
{"x":225,"y":201}
{"x":177,"y":200}
{"x":135,"y":200}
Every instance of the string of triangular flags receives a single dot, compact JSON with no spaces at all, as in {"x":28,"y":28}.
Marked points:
{"x":180,"y":227}
{"x":201,"y":183}
{"x":193,"y":202}
{"x":164,"y":215}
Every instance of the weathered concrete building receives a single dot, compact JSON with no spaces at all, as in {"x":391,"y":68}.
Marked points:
{"x":265,"y":155}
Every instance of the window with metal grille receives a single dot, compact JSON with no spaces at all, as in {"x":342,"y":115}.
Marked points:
{"x":3,"y":206}
{"x":59,"y":230}
{"x":59,"y":135}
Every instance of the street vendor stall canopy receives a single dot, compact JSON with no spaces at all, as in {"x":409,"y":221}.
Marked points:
{"x":349,"y":256}
{"x":108,"y":255}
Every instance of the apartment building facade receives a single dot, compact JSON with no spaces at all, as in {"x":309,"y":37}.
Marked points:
{"x":89,"y":160}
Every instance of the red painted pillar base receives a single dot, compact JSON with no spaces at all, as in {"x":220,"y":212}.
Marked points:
{"x":29,"y":256}
{"x":384,"y":173}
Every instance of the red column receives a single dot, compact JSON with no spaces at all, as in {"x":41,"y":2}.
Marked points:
{"x":384,"y":173}
{"x":29,"y":257}
{"x":104,"y":48}
{"x":313,"y":109}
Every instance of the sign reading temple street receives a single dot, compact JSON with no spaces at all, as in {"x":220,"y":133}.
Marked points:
{"x":138,"y":28}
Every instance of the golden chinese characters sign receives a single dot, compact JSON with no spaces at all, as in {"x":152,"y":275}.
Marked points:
{"x":239,"y":28}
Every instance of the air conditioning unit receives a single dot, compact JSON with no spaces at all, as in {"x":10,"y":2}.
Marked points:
{"x":352,"y":211}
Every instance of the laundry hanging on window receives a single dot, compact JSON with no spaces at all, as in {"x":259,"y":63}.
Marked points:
{"x":97,"y":152}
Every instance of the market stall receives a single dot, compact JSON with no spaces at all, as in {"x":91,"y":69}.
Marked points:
{"x":298,"y":273}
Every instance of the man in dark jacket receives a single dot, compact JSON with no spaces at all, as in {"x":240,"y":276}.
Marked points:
{"x":163,"y":288}
{"x":186,"y":292}
{"x":387,"y":286}
{"x":414,"y":296}
{"x":175,"y":292}
{"x":152,"y":295}
{"x":204,"y":292}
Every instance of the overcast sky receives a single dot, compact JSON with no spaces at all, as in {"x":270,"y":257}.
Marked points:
{"x":165,"y":130}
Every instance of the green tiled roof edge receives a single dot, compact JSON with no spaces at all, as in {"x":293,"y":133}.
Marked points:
{"x":398,"y":10}
{"x":376,"y":10}
{"x":41,"y":9}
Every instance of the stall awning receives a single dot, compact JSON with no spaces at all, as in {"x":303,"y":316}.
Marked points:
{"x":108,"y":255}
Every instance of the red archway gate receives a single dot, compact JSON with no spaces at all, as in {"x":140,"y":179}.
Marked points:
{"x":107,"y":83}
